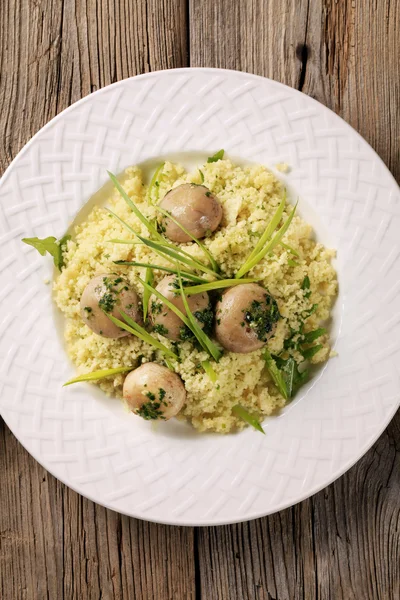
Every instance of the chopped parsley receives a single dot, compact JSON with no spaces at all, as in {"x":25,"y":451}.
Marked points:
{"x":107,"y":302}
{"x":185,"y":334}
{"x":205,"y":317}
{"x":156,"y":307}
{"x":151,"y":410}
{"x":110,"y":298}
{"x":160,"y":328}
{"x":262,"y":316}
{"x":208,"y":194}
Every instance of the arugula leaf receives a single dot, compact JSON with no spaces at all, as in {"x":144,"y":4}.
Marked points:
{"x":51,"y":245}
{"x":310,"y":352}
{"x":311,"y":336}
{"x":306,"y":286}
{"x":293,"y":378}
{"x":243,"y":414}
{"x":216,"y":157}
{"x":276,"y":374}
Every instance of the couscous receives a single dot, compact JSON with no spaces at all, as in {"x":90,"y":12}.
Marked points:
{"x":253,"y":376}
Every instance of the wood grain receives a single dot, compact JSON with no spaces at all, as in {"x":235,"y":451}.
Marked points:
{"x":344,"y":543}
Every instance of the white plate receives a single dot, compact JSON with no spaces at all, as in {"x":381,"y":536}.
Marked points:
{"x":173,"y":475}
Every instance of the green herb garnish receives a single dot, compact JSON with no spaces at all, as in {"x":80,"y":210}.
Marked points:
{"x":154,"y":183}
{"x":262,"y":316}
{"x":216,"y":157}
{"x":160,"y":328}
{"x":306,"y":286}
{"x":201,"y":176}
{"x":201,"y":336}
{"x":95,"y":375}
{"x":276,"y":374}
{"x":51,"y":245}
{"x":149,"y":278}
{"x":243,"y":414}
{"x":185,"y":274}
{"x":216,"y":285}
{"x":107,"y":302}
{"x":206,"y":318}
{"x":294,"y":378}
{"x":290,"y":249}
{"x":141,"y":333}
{"x":149,"y":226}
{"x":209,"y":370}
{"x":252,"y":262}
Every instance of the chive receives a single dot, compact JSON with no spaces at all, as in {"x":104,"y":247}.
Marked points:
{"x":149,"y":278}
{"x":207,"y":253}
{"x":153,"y":181}
{"x":216,"y":285}
{"x":250,"y":263}
{"x":185,"y":319}
{"x":275,"y":374}
{"x":243,"y":414}
{"x":98,"y":375}
{"x":201,"y":175}
{"x":177,"y":255}
{"x":269,"y":230}
{"x":185,"y":274}
{"x":290,"y":249}
{"x":141,"y":333}
{"x":161,"y":245}
{"x":151,"y":229}
{"x":167,"y":302}
{"x":169,"y":365}
{"x":209,"y":370}
{"x":217,"y":156}
{"x":203,"y":339}
{"x":292,"y":263}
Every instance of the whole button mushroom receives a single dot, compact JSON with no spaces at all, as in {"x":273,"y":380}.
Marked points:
{"x":246,"y":318}
{"x":154,"y":392}
{"x":165,"y":321}
{"x":108,"y":293}
{"x":195,"y":207}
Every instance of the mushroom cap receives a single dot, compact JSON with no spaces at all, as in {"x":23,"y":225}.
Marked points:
{"x":164,"y":319}
{"x":154,"y":392}
{"x":246,"y":318}
{"x":110,"y":293}
{"x":195,"y":207}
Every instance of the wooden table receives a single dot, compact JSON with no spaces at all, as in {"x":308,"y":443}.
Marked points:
{"x":344,"y":543}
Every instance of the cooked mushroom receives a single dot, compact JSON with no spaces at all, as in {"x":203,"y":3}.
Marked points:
{"x":108,"y":293}
{"x":165,"y":321}
{"x":154,"y":392}
{"x":195,"y":207}
{"x":246,"y":318}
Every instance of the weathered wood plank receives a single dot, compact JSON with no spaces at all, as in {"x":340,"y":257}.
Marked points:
{"x":343,"y":53}
{"x":344,"y":543}
{"x":54,"y":543}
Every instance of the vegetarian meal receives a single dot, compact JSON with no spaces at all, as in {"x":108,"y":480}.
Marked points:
{"x":201,"y":296}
